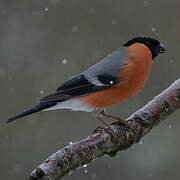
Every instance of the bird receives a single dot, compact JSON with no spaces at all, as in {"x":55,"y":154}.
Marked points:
{"x":114,"y":79}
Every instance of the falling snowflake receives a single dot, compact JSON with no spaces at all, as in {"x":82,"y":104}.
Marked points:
{"x":153,"y":29}
{"x":170,"y":126}
{"x":75,"y":29}
{"x":114,"y":21}
{"x":41,"y":91}
{"x":64,"y":61}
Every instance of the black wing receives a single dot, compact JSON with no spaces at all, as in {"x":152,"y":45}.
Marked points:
{"x":79,"y":86}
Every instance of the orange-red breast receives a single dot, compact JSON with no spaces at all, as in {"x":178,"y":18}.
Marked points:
{"x":114,"y":79}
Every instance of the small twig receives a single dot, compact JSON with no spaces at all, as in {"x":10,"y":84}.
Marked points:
{"x":98,"y":144}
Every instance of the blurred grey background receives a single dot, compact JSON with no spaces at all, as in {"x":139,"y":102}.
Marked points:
{"x":45,"y":42}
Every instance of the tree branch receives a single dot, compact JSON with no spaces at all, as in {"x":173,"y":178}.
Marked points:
{"x":100,"y":143}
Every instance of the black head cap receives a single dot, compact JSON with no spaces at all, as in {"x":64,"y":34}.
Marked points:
{"x":154,"y":45}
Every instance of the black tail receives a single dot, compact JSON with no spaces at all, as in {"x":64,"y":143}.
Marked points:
{"x":35,"y":109}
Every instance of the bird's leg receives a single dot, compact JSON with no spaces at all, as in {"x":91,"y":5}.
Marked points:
{"x":108,"y":128}
{"x":119,"y":120}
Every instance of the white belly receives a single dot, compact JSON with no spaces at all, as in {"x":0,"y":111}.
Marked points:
{"x":74,"y":104}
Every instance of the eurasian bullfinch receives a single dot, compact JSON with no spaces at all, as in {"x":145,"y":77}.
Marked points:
{"x":114,"y":79}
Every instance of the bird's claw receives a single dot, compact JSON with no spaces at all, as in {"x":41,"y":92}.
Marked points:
{"x":125,"y":123}
{"x":108,"y":130}
{"x":98,"y":130}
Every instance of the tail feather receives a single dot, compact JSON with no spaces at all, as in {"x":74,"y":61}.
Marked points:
{"x":35,"y":109}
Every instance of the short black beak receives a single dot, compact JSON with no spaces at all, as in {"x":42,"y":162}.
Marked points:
{"x":162,"y":48}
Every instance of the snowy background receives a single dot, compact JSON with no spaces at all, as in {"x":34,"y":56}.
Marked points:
{"x":45,"y":42}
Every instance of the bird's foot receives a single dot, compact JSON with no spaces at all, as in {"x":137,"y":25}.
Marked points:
{"x":98,"y":130}
{"x":108,"y":129}
{"x":119,"y":120}
{"x":126,"y":123}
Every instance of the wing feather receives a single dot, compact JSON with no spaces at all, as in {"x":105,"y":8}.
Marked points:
{"x":101,"y":76}
{"x":77,"y":86}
